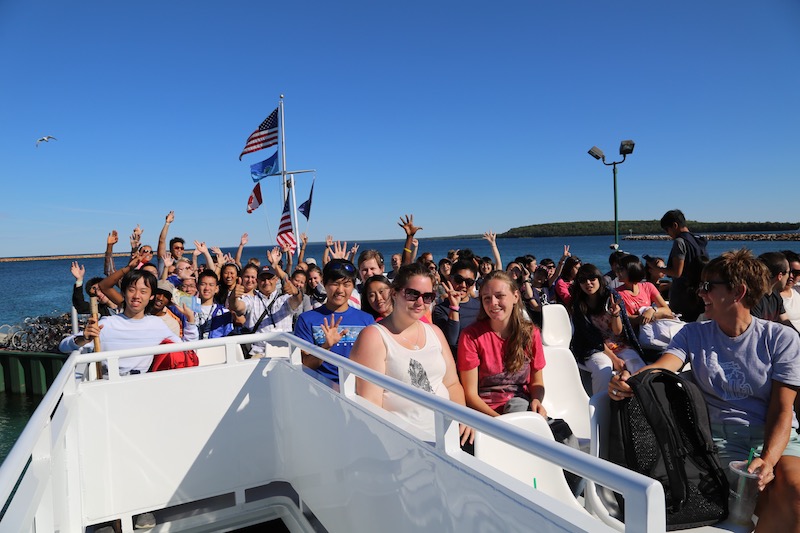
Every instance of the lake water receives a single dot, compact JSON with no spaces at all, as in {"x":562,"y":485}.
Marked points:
{"x":35,"y":288}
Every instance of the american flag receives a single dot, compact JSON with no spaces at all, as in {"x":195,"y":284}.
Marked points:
{"x":265,"y":136}
{"x":285,"y":234}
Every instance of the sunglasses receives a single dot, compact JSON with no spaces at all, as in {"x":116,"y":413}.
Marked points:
{"x":795,"y":273}
{"x":706,"y":286}
{"x":458,"y":279}
{"x":178,"y":247}
{"x":584,"y":279}
{"x":146,"y":251}
{"x":413,"y":295}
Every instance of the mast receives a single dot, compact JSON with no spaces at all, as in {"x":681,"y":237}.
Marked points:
{"x":288,"y":183}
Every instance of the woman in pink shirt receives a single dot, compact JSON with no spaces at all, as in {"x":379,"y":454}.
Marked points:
{"x":643,"y":302}
{"x":500,"y":356}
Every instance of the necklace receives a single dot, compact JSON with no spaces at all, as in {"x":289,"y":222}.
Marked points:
{"x":415,"y":345}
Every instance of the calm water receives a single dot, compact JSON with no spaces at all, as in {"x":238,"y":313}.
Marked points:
{"x":35,"y":288}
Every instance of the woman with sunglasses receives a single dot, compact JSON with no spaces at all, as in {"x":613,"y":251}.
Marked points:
{"x":604,"y":339}
{"x":407,"y":349}
{"x":500,"y":356}
{"x":748,"y":370}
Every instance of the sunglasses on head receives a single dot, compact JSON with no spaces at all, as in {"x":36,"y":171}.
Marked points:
{"x":458,"y":279}
{"x":412,"y":295}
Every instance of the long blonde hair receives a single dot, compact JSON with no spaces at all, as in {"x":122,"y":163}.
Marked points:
{"x":518,"y":345}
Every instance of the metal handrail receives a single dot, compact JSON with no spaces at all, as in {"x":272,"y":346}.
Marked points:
{"x":644,"y":496}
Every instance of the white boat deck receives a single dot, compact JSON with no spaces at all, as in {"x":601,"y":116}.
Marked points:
{"x":235,"y":442}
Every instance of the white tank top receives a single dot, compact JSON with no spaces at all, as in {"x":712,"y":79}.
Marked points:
{"x":423,"y":369}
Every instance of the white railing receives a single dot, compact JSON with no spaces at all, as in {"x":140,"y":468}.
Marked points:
{"x":644,"y":510}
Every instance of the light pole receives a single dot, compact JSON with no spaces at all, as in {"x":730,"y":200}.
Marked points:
{"x":625,"y":148}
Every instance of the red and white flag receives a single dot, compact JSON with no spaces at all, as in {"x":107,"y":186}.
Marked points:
{"x":255,"y":199}
{"x":285,"y":234}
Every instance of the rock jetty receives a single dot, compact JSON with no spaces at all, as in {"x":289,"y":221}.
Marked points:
{"x":724,"y":237}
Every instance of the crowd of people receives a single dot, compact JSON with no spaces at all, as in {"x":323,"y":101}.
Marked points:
{"x":466,"y":329}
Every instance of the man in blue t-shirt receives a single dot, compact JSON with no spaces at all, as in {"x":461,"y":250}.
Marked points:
{"x":334,"y":326}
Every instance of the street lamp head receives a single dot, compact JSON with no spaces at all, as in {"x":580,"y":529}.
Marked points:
{"x":596,"y":152}
{"x":626,"y":147}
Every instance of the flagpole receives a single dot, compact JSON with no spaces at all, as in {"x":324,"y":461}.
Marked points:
{"x":283,"y":151}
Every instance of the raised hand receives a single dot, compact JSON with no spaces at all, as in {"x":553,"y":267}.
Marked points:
{"x":201,"y":247}
{"x":170,"y":218}
{"x":227,"y":259}
{"x":243,"y":239}
{"x":339,"y":251}
{"x":331,"y":331}
{"x":168,"y":260}
{"x":78,"y":271}
{"x":566,"y":252}
{"x":415,"y":242}
{"x":274,"y":256}
{"x":329,"y":241}
{"x":136,"y":258}
{"x":134,"y":239}
{"x":408,"y":225}
{"x":138,"y":231}
{"x":304,"y":239}
{"x":491,"y":237}
{"x":353,"y":251}
{"x":113,"y":238}
{"x":286,"y":248}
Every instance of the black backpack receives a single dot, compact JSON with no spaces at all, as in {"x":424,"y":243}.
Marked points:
{"x":663,"y":432}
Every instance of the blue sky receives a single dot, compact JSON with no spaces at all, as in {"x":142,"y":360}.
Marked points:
{"x":471,"y":115}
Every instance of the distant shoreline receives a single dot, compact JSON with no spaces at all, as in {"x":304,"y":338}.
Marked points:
{"x":710,"y":237}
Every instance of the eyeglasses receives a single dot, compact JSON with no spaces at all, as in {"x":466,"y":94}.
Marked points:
{"x":706,"y":286}
{"x":413,"y":295}
{"x":178,"y":247}
{"x":458,"y":279}
{"x":146,"y":251}
{"x":794,"y":273}
{"x":584,"y":279}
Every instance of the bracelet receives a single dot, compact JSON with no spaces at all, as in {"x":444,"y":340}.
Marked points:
{"x":406,"y":250}
{"x":455,"y":308}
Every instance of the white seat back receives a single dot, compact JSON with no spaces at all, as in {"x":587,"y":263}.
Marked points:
{"x":556,"y":326}
{"x":528,"y":468}
{"x":564,"y":395}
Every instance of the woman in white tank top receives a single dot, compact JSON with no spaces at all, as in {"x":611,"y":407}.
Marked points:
{"x":409,"y":350}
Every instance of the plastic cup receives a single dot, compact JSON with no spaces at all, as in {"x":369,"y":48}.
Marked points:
{"x":743,"y":495}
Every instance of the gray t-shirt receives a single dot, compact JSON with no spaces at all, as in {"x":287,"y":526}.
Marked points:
{"x":736,"y":374}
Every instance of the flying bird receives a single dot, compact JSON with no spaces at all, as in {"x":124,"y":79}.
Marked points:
{"x":46,"y":138}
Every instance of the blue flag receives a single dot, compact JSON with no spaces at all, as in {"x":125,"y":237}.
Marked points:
{"x":268,"y":167}
{"x":305,"y":207}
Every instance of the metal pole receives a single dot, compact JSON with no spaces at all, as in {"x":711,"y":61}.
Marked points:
{"x":616,"y":216}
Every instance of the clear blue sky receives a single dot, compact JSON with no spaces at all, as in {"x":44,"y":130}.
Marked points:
{"x":471,"y":115}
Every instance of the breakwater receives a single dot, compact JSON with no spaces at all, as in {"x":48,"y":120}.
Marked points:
{"x":724,"y":237}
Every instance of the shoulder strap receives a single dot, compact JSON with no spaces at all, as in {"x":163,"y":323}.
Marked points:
{"x":261,"y":318}
{"x":666,"y":432}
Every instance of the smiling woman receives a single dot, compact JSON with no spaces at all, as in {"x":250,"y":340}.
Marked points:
{"x":404,"y":347}
{"x":500,"y":356}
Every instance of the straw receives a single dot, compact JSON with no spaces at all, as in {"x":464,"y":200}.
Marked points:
{"x":534,"y":483}
{"x":750,"y":457}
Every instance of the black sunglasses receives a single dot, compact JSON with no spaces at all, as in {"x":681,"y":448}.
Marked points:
{"x":413,"y":295}
{"x":795,"y":273}
{"x":706,"y":286}
{"x":469,"y":282}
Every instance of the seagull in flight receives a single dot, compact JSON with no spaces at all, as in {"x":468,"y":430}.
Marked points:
{"x":46,"y":138}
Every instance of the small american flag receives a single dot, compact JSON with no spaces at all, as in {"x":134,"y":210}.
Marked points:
{"x":285,"y":234}
{"x":265,"y":136}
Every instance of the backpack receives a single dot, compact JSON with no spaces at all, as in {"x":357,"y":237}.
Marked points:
{"x":663,"y":432}
{"x":171,"y":360}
